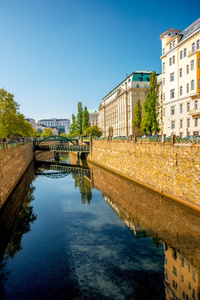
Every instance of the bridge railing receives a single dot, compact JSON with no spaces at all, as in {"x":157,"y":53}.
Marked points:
{"x":8,"y":144}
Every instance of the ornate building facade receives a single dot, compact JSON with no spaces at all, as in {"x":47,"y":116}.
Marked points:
{"x":181,"y":80}
{"x":116,"y":110}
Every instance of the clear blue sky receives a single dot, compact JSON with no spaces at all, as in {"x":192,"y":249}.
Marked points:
{"x":54,"y":53}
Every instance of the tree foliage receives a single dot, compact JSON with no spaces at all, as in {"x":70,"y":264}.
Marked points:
{"x":46,"y":132}
{"x":85,"y":119}
{"x":149,"y":122}
{"x":12,"y":122}
{"x":79,"y":118}
{"x":73,"y":127}
{"x":137,"y":120}
{"x":63,"y":134}
{"x":93,"y":130}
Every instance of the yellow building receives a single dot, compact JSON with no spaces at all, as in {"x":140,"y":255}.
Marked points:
{"x":182,"y":279}
{"x":181,"y":80}
{"x":116,"y":110}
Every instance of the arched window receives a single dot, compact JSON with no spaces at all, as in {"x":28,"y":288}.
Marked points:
{"x":192,"y":84}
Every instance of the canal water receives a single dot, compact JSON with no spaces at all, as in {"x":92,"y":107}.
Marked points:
{"x":78,"y":233}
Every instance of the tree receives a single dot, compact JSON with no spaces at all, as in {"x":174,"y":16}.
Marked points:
{"x":137,"y":120}
{"x":150,"y":122}
{"x":93,"y":130}
{"x":73,"y":127}
{"x":12,"y":122}
{"x":63,"y":134}
{"x":85,"y":119}
{"x":46,"y":132}
{"x":79,"y":118}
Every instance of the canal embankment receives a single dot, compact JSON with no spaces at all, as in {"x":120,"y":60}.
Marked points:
{"x":171,"y":170}
{"x":13,"y":163}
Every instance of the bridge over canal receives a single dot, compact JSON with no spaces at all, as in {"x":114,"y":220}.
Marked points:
{"x":59,"y":144}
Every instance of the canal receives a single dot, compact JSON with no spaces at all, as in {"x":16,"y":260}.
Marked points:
{"x":69,"y":232}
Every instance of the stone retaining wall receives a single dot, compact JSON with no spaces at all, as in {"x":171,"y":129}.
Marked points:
{"x":172,"y":170}
{"x":13,"y":164}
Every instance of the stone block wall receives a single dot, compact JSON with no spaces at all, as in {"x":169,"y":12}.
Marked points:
{"x":173,"y":171}
{"x":13,"y":164}
{"x":166,"y":219}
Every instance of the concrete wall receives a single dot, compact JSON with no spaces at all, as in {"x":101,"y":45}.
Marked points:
{"x":173,"y":171}
{"x":13,"y":164}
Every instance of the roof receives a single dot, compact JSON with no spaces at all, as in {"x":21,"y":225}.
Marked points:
{"x":190,"y":29}
{"x":93,"y":111}
{"x":135,"y":76}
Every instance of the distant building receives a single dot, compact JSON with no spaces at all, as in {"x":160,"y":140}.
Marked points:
{"x":62,"y":125}
{"x":181,"y":80}
{"x":116,"y":110}
{"x":93,"y":116}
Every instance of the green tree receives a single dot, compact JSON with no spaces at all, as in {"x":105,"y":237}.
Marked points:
{"x":94,"y":130}
{"x":79,"y":118}
{"x":12,"y":122}
{"x":46,"y":132}
{"x":63,"y":134}
{"x":73,"y":127}
{"x":137,"y":120}
{"x":85,"y":119}
{"x":149,"y":121}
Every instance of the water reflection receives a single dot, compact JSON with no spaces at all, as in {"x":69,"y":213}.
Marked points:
{"x":87,"y":249}
{"x":15,"y":219}
{"x":149,"y":214}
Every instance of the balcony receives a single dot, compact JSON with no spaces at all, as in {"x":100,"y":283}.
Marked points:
{"x":194,"y":112}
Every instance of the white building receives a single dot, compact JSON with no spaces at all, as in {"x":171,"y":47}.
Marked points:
{"x":181,"y":80}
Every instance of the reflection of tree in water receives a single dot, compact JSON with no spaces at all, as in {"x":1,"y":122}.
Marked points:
{"x":21,"y":226}
{"x":84,"y":187}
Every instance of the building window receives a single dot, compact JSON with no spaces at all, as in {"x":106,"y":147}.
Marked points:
{"x":174,"y":43}
{"x":192,"y":64}
{"x":172,"y":110}
{"x":188,"y":106}
{"x":137,"y":85}
{"x":187,"y":69}
{"x":163,"y":80}
{"x":181,"y":72}
{"x":164,"y":112}
{"x":172,"y":76}
{"x":175,"y":285}
{"x":172,"y":93}
{"x":173,"y":59}
{"x":185,"y":52}
{"x":181,"y":90}
{"x":174,"y":269}
{"x":196,"y":104}
{"x":196,"y":122}
{"x":192,"y":85}
{"x":187,"y":87}
{"x":181,"y":123}
{"x":193,"y":47}
{"x":181,"y":54}
{"x":173,"y":127}
{"x":181,"y":108}
{"x":188,"y":123}
{"x":163,"y":67}
{"x":183,"y":262}
{"x":163,"y":96}
{"x":163,"y":51}
{"x":170,"y":61}
{"x":198,"y":44}
{"x":170,"y":46}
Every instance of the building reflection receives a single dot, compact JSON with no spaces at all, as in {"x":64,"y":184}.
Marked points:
{"x":149,"y":214}
{"x":182,"y":279}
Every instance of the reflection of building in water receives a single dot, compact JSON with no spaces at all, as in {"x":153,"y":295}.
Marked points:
{"x":136,"y":227}
{"x":181,"y":277}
